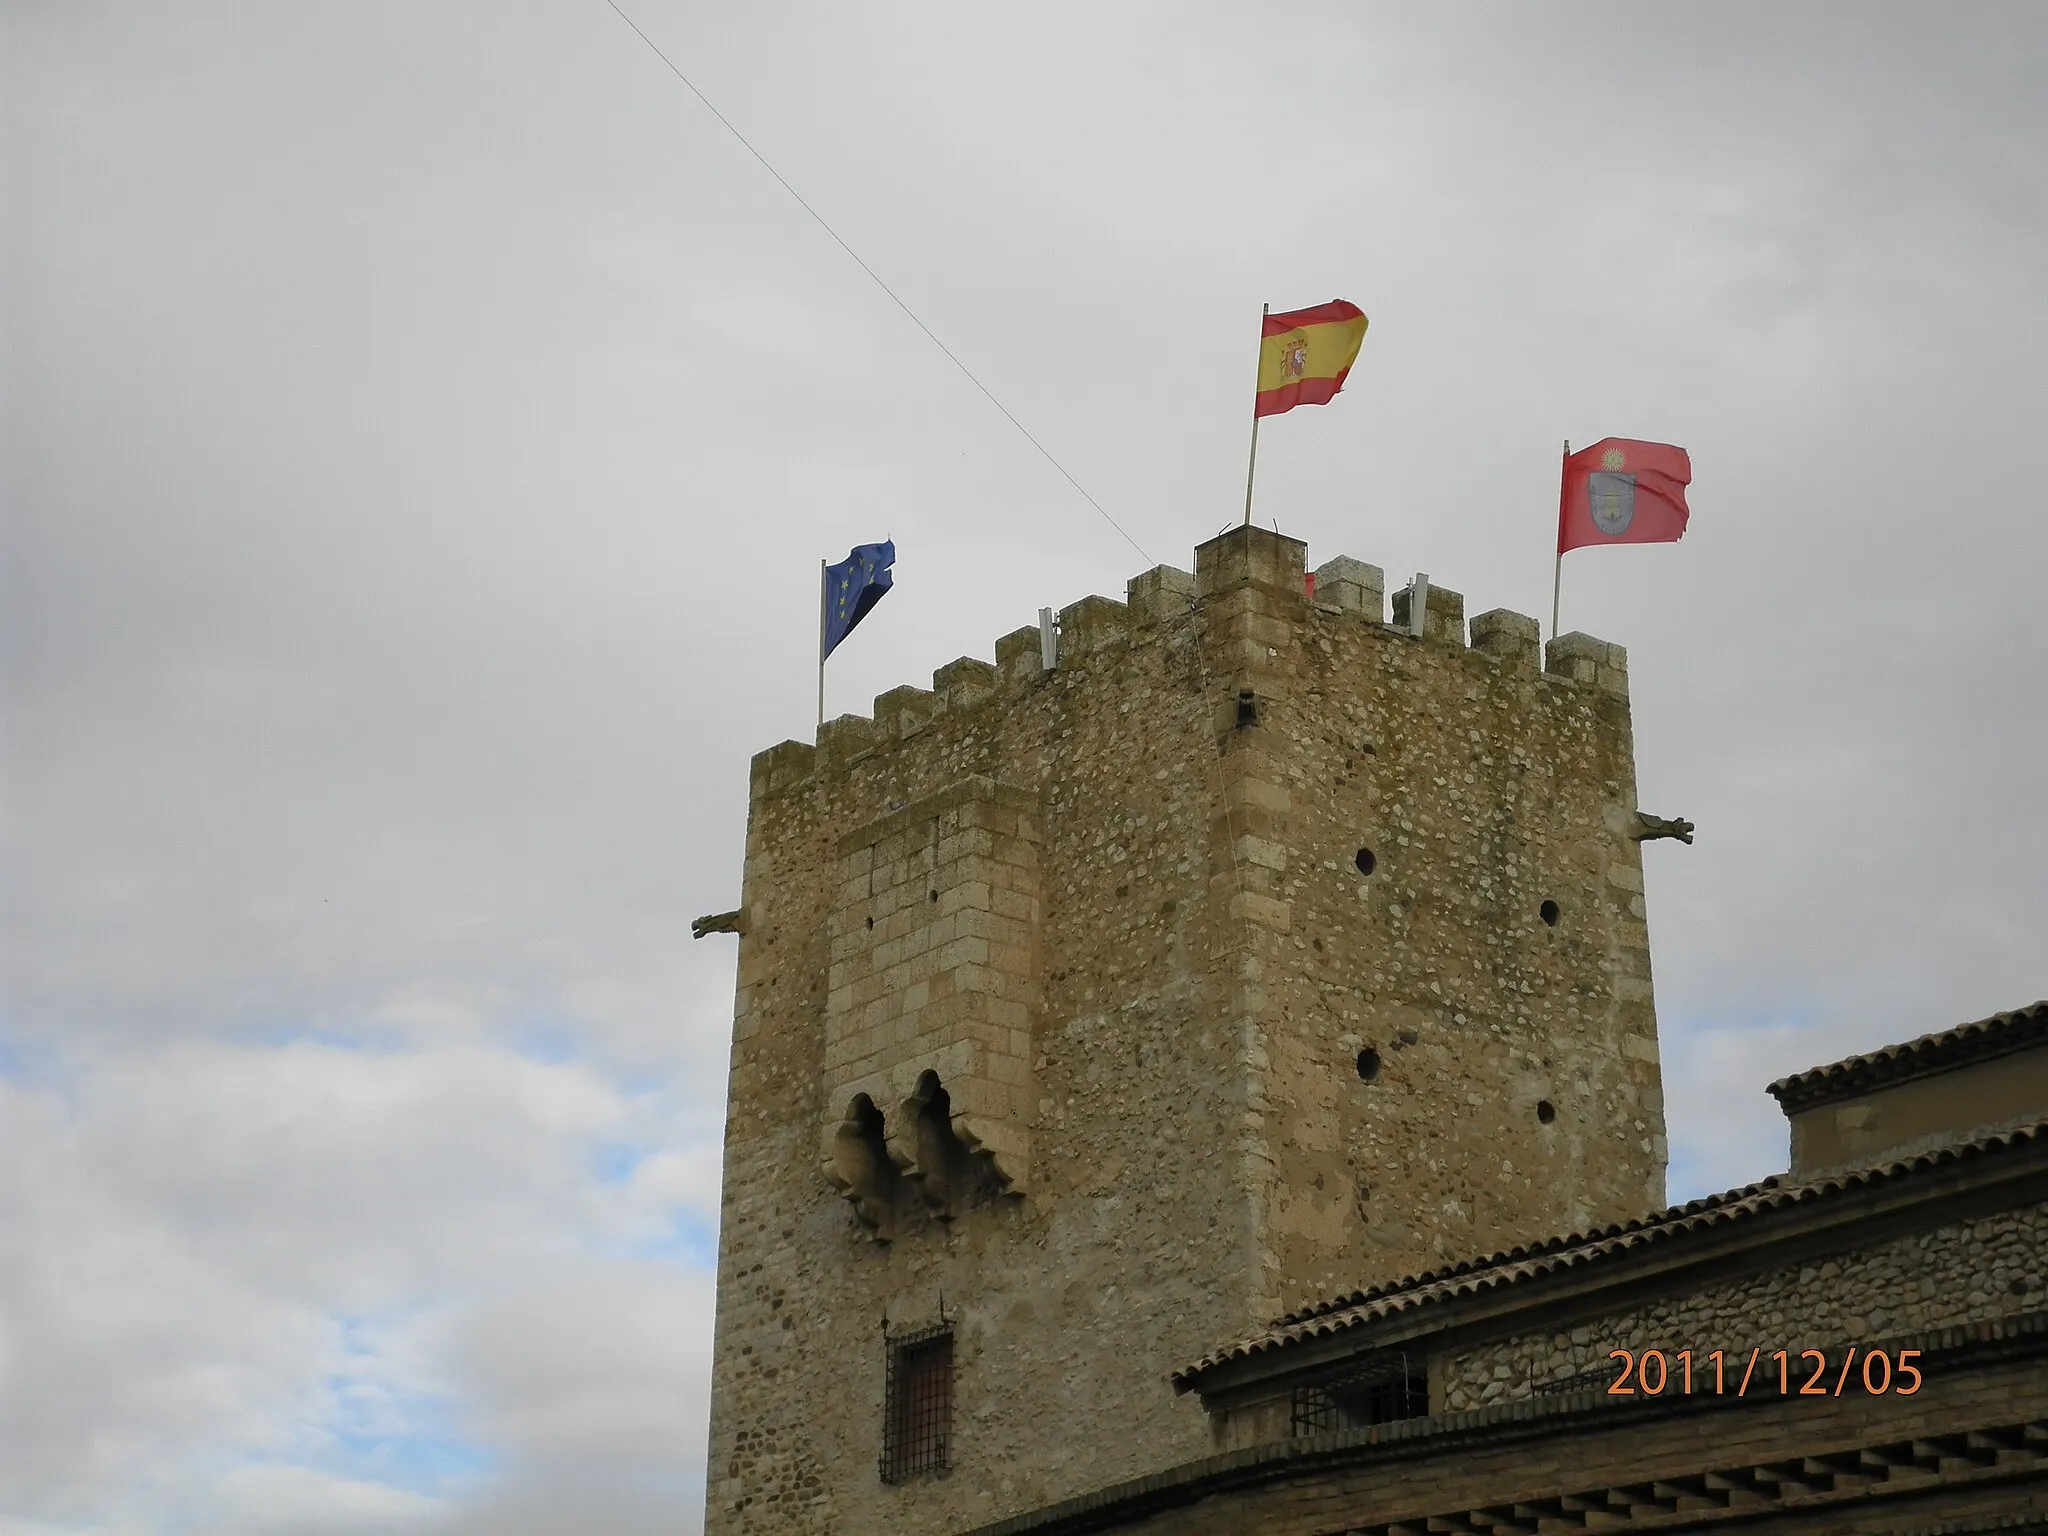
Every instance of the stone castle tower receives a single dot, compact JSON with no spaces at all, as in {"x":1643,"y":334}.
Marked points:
{"x":1258,"y":949}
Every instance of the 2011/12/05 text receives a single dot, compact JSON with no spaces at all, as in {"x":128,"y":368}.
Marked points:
{"x":1800,"y":1373}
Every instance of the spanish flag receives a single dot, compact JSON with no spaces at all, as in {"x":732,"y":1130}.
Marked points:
{"x":1305,"y":354}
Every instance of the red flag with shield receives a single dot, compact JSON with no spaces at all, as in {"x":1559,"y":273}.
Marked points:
{"x":1620,"y":491}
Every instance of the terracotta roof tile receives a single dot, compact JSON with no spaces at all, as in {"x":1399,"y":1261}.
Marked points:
{"x":1552,"y":1254}
{"x":1994,"y":1036}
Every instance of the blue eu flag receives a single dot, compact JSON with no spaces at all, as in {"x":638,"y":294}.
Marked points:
{"x":852,"y":587}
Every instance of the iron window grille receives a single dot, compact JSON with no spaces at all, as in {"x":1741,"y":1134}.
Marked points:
{"x":1584,"y":1381}
{"x":1384,"y":1389}
{"x":917,"y":1429}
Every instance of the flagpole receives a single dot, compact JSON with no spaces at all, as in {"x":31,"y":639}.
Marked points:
{"x":1557,"y":572}
{"x":823,"y":567}
{"x":1252,"y":468}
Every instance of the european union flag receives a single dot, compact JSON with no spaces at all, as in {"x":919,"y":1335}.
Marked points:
{"x":854,"y":586}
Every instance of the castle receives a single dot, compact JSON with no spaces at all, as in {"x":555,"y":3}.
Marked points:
{"x":1223,"y":952}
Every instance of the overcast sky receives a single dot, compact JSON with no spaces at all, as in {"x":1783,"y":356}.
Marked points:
{"x":422,"y":423}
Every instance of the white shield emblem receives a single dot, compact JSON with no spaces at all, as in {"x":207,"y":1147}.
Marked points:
{"x":1612,"y":500}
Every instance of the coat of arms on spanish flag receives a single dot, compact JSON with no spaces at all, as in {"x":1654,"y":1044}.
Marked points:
{"x":1305,"y":354}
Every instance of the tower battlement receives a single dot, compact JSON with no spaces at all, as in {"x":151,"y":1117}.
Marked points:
{"x":1265,"y":946}
{"x":1162,"y":606}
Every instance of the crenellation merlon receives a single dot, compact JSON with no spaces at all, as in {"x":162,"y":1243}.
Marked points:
{"x":1092,"y":625}
{"x":1251,"y":557}
{"x":903,"y":712}
{"x":1017,"y":659}
{"x":963,"y":683}
{"x":1352,"y":586}
{"x":1443,"y":614}
{"x":1160,"y":597}
{"x":1511,"y":637}
{"x":842,"y":739}
{"x":1585,"y":660}
{"x":781,"y":768}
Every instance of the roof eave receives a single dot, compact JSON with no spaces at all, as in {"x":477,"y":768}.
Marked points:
{"x":1944,"y":1051}
{"x":1812,"y":1215}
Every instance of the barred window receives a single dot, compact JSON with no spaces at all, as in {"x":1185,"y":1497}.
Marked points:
{"x":1384,"y":1389}
{"x":917,"y":1433}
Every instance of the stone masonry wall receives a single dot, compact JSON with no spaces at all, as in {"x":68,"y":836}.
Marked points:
{"x":1515,"y":1088}
{"x":1067,"y":1300}
{"x":934,"y":981}
{"x":1113,"y":1115}
{"x":1969,"y":1272}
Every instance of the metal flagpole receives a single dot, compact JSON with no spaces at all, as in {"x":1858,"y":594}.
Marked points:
{"x":823,"y":567}
{"x":1252,"y":468}
{"x":1557,"y":573}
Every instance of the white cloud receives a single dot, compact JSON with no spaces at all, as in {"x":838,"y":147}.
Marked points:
{"x":300,"y":1501}
{"x":288,"y":1250}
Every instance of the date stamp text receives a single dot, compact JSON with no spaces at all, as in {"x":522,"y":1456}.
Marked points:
{"x":1788,"y":1373}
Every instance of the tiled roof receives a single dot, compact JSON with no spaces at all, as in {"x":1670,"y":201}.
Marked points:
{"x":1558,"y":1253}
{"x":1994,"y":1036}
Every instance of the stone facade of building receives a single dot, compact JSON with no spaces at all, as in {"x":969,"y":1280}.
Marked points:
{"x":1966,"y":1454}
{"x":1089,"y":1015}
{"x":1953,"y":1275}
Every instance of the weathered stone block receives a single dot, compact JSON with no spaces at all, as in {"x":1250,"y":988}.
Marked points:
{"x":1017,"y":656}
{"x":844,"y":738}
{"x":1352,"y":586}
{"x":1587,"y":661}
{"x":781,"y":768}
{"x":1512,"y":637}
{"x":1443,"y":613}
{"x":1092,"y":625}
{"x":1252,"y":557}
{"x":964,"y":683}
{"x":903,"y":711}
{"x":1161,"y":596}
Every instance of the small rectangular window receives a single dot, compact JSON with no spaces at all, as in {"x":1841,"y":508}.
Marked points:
{"x":1381,"y":1391}
{"x":917,"y":1433}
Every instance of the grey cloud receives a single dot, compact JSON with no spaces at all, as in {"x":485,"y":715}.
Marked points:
{"x":420,"y":428}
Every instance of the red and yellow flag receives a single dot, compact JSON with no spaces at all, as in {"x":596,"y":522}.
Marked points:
{"x":1305,"y":354}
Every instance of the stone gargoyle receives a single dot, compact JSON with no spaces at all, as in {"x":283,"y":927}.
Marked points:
{"x":734,"y":921}
{"x":1649,"y":828}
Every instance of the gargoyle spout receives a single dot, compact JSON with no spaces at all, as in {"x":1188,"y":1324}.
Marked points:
{"x":1649,"y":828}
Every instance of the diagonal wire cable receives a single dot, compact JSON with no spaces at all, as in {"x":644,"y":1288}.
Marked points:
{"x":871,"y":272}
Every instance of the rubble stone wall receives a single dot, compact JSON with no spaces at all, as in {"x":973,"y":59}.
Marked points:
{"x":1968,"y":1272}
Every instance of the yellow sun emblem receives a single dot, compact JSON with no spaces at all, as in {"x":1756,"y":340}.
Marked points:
{"x":1613,"y":458}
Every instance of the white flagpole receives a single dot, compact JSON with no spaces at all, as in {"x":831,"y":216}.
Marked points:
{"x":1252,"y":468}
{"x":823,"y":567}
{"x":1557,"y":573}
